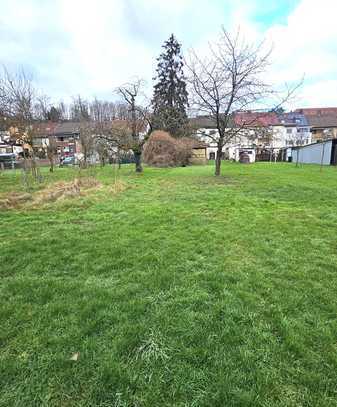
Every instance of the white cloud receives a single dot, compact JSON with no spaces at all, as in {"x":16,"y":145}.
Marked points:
{"x":87,"y":47}
{"x":306,"y":45}
{"x":99,"y":46}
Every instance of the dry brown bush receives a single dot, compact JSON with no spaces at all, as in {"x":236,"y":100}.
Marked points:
{"x":185,"y":150}
{"x":162,"y":150}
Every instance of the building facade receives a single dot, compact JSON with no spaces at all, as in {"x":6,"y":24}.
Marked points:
{"x":265,"y":132}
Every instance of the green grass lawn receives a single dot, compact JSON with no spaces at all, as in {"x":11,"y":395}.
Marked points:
{"x":182,"y":290}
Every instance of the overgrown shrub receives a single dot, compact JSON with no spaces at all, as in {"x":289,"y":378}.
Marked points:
{"x":162,"y":150}
{"x":185,"y":150}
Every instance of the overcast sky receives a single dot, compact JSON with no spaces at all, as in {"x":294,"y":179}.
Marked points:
{"x":89,"y":47}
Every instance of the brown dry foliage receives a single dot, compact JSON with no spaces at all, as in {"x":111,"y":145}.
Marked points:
{"x":54,"y":192}
{"x":162,"y":150}
{"x":185,"y":150}
{"x":14,"y":200}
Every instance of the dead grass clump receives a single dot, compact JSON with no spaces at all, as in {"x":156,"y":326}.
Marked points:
{"x":62,"y":190}
{"x":14,"y":200}
{"x":118,"y":186}
{"x":88,"y":182}
{"x":54,"y":192}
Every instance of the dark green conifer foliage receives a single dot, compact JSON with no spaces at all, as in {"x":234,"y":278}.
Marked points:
{"x":170,"y":97}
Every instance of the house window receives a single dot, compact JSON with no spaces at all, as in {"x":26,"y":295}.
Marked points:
{"x":212,"y":156}
{"x":289,"y":131}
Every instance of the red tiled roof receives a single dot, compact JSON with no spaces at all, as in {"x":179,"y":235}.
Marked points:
{"x":256,"y":119}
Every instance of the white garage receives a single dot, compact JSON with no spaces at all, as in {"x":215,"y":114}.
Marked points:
{"x":318,"y":153}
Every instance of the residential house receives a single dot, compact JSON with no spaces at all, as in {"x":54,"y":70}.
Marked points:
{"x":265,"y":132}
{"x":323,"y":127}
{"x":66,"y":136}
{"x":8,"y":145}
{"x":322,"y":121}
{"x":293,"y":129}
{"x":205,"y":129}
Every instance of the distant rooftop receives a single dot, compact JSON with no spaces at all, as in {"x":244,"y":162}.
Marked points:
{"x":293,"y":119}
{"x":317,"y":111}
{"x":52,"y":128}
{"x":256,"y":119}
{"x":202,"y":122}
{"x":322,"y":121}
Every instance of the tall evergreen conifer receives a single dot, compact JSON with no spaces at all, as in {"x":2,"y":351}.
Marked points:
{"x":170,"y":97}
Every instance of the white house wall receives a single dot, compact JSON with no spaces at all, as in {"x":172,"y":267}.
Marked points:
{"x":282,"y":136}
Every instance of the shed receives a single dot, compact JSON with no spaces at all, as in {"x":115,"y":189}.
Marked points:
{"x":199,"y":153}
{"x":318,"y":153}
{"x":245,"y":154}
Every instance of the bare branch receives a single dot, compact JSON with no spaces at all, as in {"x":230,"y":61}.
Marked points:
{"x":229,"y":80}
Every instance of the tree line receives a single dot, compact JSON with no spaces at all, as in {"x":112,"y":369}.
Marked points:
{"x":230,"y":78}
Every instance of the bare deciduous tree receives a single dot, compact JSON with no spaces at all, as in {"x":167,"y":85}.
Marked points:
{"x":63,"y":111}
{"x":229,"y":80}
{"x":86,"y":134}
{"x":102,"y":148}
{"x":51,"y":151}
{"x":105,"y":111}
{"x":18,"y":101}
{"x":42,"y":107}
{"x":79,"y":109}
{"x":137,"y":121}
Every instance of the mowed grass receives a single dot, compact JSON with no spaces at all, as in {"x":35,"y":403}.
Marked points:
{"x":182,"y":290}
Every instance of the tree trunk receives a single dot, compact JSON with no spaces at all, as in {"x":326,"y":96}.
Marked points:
{"x":51,"y":162}
{"x":138,"y":161}
{"x":24,"y":160}
{"x":218,"y":161}
{"x":322,"y":156}
{"x":297,"y":157}
{"x":118,"y":159}
{"x":34,"y":166}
